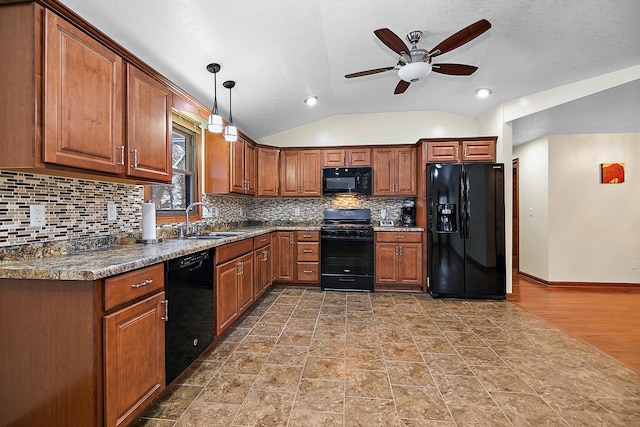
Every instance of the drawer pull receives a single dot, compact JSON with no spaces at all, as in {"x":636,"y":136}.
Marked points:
{"x":308,"y":271}
{"x":141,"y":284}
{"x":399,"y":237}
{"x":306,"y":236}
{"x":307,"y":251}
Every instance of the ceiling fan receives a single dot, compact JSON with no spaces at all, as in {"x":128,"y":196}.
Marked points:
{"x":415,"y":63}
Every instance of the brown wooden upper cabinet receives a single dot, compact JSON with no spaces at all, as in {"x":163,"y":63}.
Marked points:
{"x":148,"y":127}
{"x":268,"y":176}
{"x":230,"y":167}
{"x":242,"y":163}
{"x":300,"y":173}
{"x":481,"y":149}
{"x":86,"y":92}
{"x":347,"y":157}
{"x":394,"y":171}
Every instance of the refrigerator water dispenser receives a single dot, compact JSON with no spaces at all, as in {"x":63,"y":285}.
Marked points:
{"x":446,"y":218}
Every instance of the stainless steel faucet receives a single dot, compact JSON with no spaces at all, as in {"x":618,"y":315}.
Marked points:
{"x":186,"y":214}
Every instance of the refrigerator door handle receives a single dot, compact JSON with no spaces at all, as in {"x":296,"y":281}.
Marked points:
{"x":461,"y":204}
{"x":467,"y":205}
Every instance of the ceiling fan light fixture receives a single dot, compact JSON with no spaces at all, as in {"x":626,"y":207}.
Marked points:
{"x":312,"y":100}
{"x":215,"y":120}
{"x":414,"y":71}
{"x":483,"y":92}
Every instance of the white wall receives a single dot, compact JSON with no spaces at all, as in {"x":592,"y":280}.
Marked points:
{"x":580,"y":230}
{"x":375,"y":129}
{"x":594,"y":228}
{"x":534,"y":207}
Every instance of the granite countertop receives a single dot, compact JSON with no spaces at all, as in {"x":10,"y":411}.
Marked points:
{"x":98,"y":264}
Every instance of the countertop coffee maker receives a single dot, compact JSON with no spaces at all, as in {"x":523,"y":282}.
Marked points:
{"x":408,"y":213}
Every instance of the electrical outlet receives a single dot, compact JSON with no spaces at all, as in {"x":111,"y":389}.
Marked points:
{"x":240,"y":210}
{"x":112,"y":212}
{"x":634,"y":264}
{"x":296,"y":212}
{"x":36,"y":216}
{"x":216,"y":213}
{"x":531,"y":212}
{"x":383,"y":213}
{"x":207,"y":212}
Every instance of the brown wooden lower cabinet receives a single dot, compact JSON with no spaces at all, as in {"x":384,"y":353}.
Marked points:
{"x":285,"y":256}
{"x":234,"y":273}
{"x":262,"y":257}
{"x":134,"y":359}
{"x":398,"y":260}
{"x":81,"y":353}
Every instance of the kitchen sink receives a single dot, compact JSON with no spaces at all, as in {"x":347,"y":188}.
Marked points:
{"x":218,"y":235}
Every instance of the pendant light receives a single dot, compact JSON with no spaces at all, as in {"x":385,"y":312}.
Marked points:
{"x":230,"y":131}
{"x":215,"y":120}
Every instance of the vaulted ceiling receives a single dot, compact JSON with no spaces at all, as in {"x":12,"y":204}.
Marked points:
{"x":281,"y":51}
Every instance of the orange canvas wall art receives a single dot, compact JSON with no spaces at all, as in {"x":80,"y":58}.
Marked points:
{"x":612,"y":173}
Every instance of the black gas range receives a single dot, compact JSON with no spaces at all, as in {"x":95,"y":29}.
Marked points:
{"x":346,"y":248}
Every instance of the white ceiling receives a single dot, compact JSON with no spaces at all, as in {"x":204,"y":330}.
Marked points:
{"x":281,"y":51}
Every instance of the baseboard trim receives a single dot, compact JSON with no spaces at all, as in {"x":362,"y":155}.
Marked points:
{"x":583,"y":285}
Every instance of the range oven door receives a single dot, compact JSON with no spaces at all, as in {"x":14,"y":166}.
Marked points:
{"x":346,"y":263}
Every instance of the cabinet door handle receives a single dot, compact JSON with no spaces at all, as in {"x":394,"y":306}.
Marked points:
{"x":264,"y":256}
{"x":291,"y":240}
{"x":396,"y":250}
{"x":121,"y":162}
{"x":307,"y":251}
{"x":135,"y":157}
{"x":400,"y":250}
{"x":238,"y":271}
{"x":166,"y":310}
{"x":143,"y":283}
{"x":464,"y":152}
{"x":456,"y":152}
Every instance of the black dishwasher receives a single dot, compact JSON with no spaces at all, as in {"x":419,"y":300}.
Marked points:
{"x":191,"y":310}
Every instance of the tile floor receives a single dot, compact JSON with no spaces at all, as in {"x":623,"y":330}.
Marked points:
{"x":306,"y":358}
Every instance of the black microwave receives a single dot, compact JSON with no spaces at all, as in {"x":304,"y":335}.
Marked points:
{"x":346,"y":180}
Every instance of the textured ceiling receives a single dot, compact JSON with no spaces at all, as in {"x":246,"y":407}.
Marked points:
{"x":281,"y":51}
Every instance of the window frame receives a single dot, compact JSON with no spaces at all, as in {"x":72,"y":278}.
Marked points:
{"x":184,"y":125}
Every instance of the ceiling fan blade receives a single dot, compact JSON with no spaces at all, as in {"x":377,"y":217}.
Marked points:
{"x":391,"y":40}
{"x":401,"y":87}
{"x":454,"y":69}
{"x":463,"y":36}
{"x":368,"y":72}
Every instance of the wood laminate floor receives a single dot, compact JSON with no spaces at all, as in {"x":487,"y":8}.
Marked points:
{"x":607,"y":318}
{"x":303,"y":357}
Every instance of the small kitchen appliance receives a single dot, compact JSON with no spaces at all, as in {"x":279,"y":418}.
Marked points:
{"x":408,"y":213}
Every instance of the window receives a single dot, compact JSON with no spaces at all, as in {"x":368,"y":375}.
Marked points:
{"x":171,"y":200}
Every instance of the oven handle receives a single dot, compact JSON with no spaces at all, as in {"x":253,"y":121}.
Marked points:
{"x":346,"y":279}
{"x":348,"y":238}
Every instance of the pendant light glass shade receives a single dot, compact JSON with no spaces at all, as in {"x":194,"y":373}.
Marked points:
{"x":215,"y":120}
{"x":230,"y":131}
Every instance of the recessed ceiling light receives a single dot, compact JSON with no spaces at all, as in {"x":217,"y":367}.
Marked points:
{"x":483,"y":92}
{"x":311,"y":100}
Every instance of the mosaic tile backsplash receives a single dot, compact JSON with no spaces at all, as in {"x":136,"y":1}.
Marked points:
{"x":77,"y":209}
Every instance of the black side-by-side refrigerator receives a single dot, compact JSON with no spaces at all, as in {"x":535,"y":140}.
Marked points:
{"x":465,"y":230}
